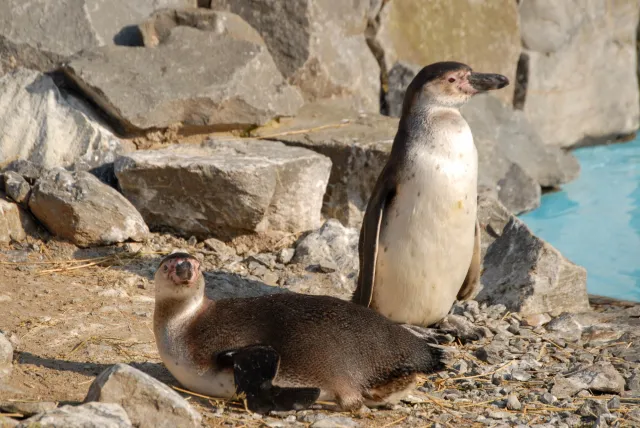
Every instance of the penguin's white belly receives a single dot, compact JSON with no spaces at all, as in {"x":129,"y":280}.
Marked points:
{"x":202,"y":380}
{"x":427,"y":239}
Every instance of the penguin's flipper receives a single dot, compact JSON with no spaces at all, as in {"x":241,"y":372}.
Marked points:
{"x":383,"y":194}
{"x":471,"y":283}
{"x":254,"y":368}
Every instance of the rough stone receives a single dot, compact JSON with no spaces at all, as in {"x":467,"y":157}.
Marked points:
{"x":16,"y":187}
{"x":332,"y":245}
{"x":26,"y":408}
{"x":529,"y":276}
{"x":600,"y":377}
{"x":238,"y":86}
{"x":493,"y":217}
{"x":579,"y":69}
{"x":48,"y":127}
{"x":148,"y":402}
{"x":226,"y":187}
{"x":15,"y":223}
{"x":221,"y":285}
{"x":6,"y":357}
{"x":358,"y":145}
{"x":6,"y":422}
{"x":104,"y":415}
{"x":513,"y":403}
{"x":318,"y":45}
{"x":80,"y":208}
{"x":484,"y":35}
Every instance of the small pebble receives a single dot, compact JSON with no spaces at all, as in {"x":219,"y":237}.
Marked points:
{"x":513,"y":403}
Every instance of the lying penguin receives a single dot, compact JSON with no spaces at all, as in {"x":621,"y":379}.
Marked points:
{"x":420,"y":238}
{"x":282,"y":351}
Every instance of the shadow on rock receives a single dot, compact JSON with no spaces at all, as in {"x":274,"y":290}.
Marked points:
{"x":224,"y":285}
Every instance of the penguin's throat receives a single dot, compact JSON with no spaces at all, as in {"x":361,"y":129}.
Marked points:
{"x":175,"y":311}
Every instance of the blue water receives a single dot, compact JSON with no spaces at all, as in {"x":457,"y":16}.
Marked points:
{"x":595,"y":220}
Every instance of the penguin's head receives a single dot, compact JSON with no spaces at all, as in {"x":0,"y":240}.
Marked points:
{"x":448,"y":84}
{"x":179,"y":276}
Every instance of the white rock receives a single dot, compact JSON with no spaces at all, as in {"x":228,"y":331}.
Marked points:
{"x":103,"y":415}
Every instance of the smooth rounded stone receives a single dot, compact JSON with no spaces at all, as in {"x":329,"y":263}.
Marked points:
{"x":536,"y":320}
{"x":6,"y":357}
{"x":27,"y":408}
{"x":591,"y":48}
{"x":529,"y":276}
{"x":78,"y":207}
{"x":513,"y":403}
{"x":319,"y":46}
{"x":226,"y":187}
{"x":147,"y":401}
{"x":104,"y":415}
{"x":520,"y":375}
{"x":460,"y":327}
{"x":238,"y":86}
{"x":285,"y":255}
{"x":548,"y":398}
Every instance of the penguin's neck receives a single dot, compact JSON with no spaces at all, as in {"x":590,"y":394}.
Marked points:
{"x":172,"y":312}
{"x":434,"y":128}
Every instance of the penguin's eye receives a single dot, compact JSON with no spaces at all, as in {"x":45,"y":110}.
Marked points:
{"x":165,"y":268}
{"x":452,"y":79}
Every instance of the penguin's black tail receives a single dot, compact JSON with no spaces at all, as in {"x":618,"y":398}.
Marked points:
{"x":429,"y":358}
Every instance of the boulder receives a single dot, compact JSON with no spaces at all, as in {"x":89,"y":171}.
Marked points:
{"x":26,"y":408}
{"x":358,"y":145}
{"x":49,"y":127}
{"x":317,"y":45}
{"x":148,"y":402}
{"x":16,"y":187}
{"x":226,"y":187}
{"x":6,"y":357}
{"x":40,"y":34}
{"x":482,"y":34}
{"x":239,"y":85}
{"x":103,"y":415}
{"x":332,"y":248}
{"x":15,"y":223}
{"x":529,"y":276}
{"x":514,"y":162}
{"x":78,"y":207}
{"x":577,"y":74}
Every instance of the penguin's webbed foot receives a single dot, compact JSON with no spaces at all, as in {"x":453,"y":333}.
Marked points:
{"x":431,"y":335}
{"x":254,"y":369}
{"x":461,"y":328}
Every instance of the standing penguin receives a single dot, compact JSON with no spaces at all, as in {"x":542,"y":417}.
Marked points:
{"x":420,"y":239}
{"x":282,"y":351}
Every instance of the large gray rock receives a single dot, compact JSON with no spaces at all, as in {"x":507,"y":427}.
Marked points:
{"x":40,"y":34}
{"x":103,"y":415}
{"x":332,"y":248}
{"x":6,"y":357}
{"x":482,"y":34}
{"x":513,"y":160}
{"x":226,"y":187}
{"x":40,"y":123}
{"x":358,"y":145}
{"x":148,"y":402}
{"x":318,"y":45}
{"x":15,"y":223}
{"x":238,"y":84}
{"x":578,"y":70}
{"x":529,"y":276}
{"x":80,"y":208}
{"x":16,"y":187}
{"x":600,"y":377}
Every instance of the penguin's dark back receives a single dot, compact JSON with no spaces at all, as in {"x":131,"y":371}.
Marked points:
{"x":319,"y":333}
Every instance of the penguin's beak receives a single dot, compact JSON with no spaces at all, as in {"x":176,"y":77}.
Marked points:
{"x":184,"y":270}
{"x":487,"y":81}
